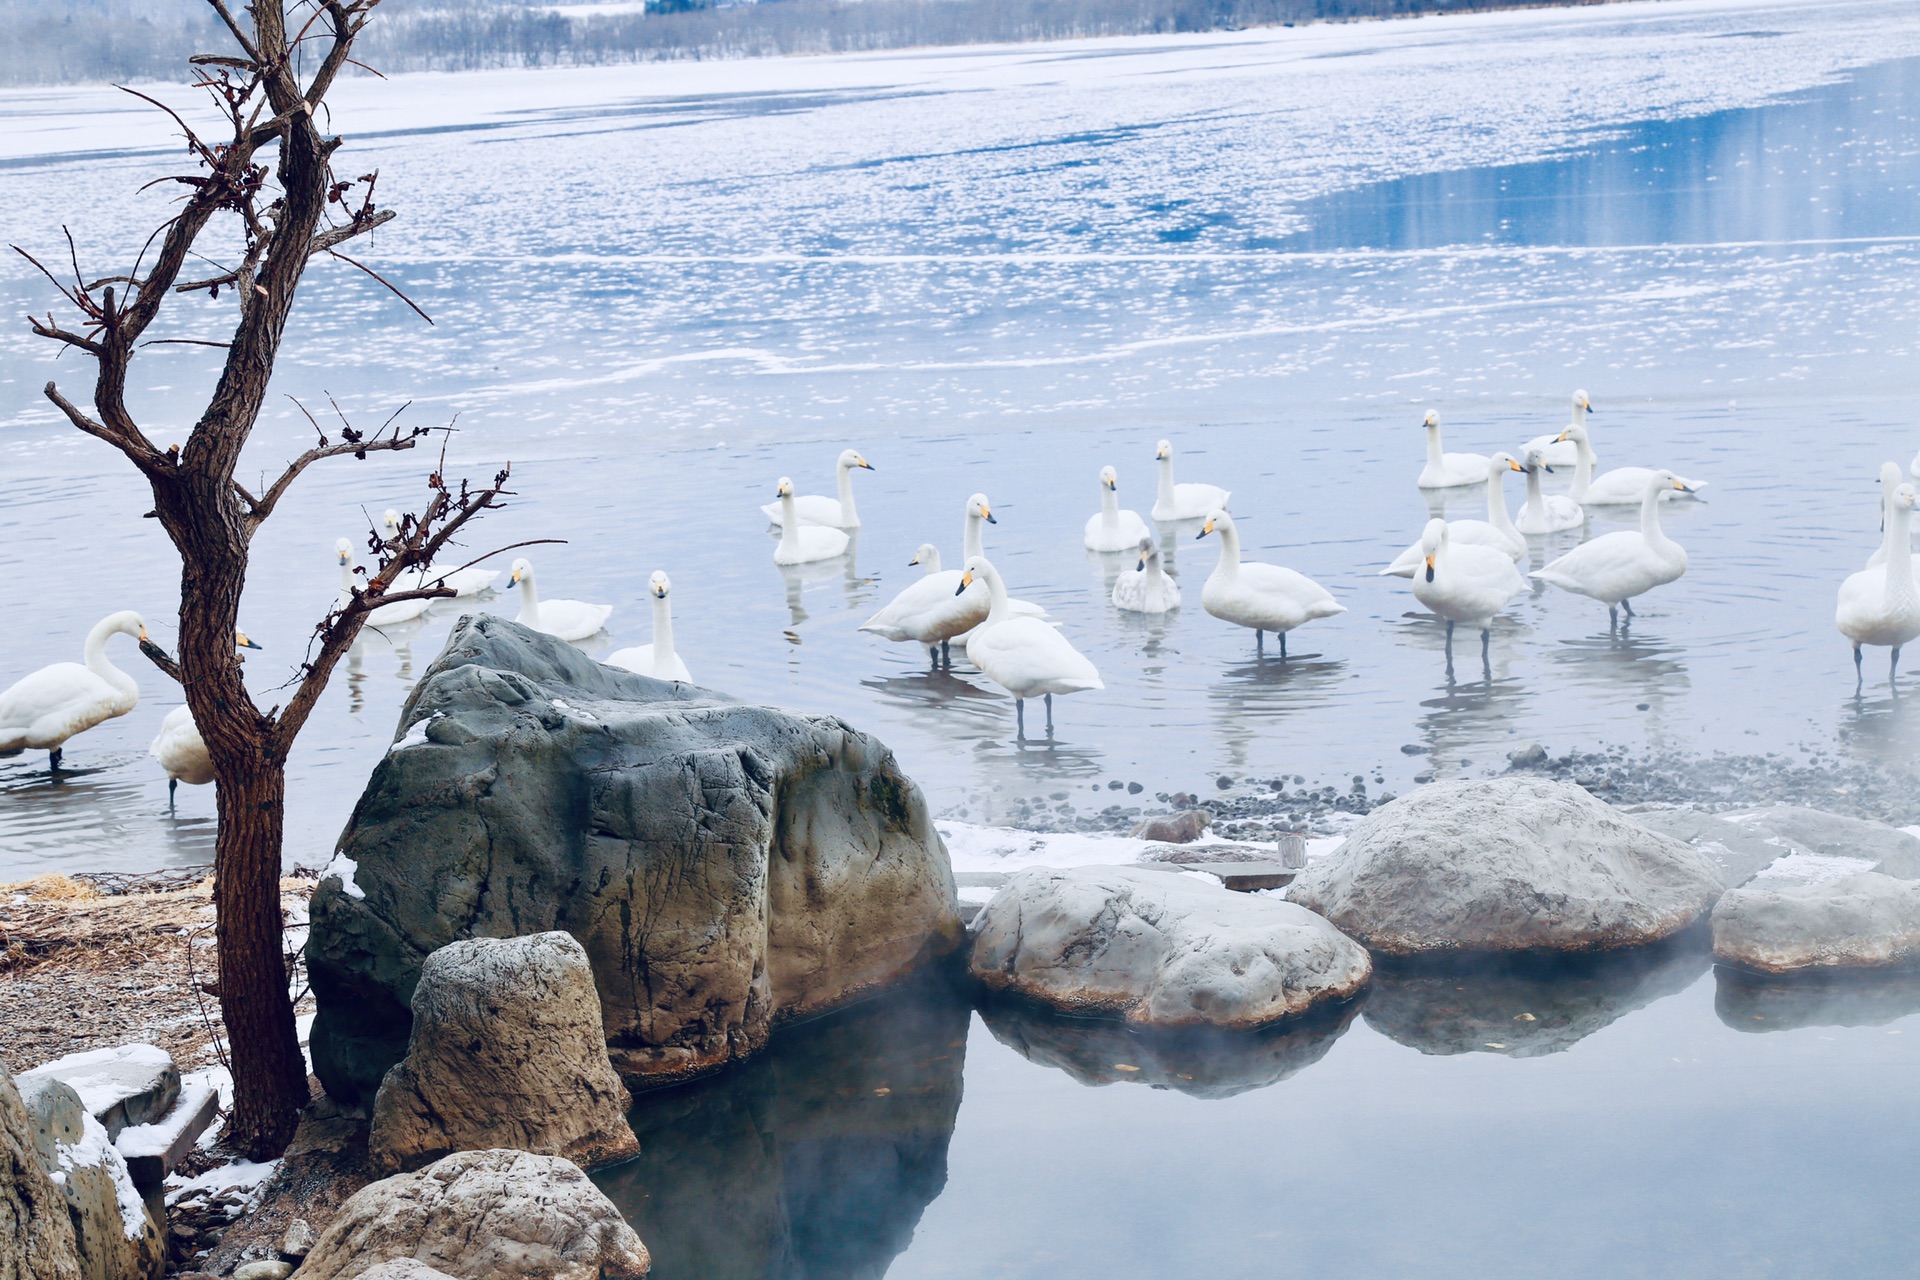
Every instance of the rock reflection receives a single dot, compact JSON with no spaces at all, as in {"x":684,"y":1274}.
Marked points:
{"x":1525,"y":1007}
{"x":1205,"y":1064}
{"x":1751,"y":1002}
{"x":814,"y":1160}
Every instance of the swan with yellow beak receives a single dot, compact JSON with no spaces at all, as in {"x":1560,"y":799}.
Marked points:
{"x":1023,"y":655}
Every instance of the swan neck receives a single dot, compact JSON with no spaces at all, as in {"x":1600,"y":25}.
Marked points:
{"x":970,"y":540}
{"x":100,"y":665}
{"x":1165,"y":494}
{"x":1650,"y":520}
{"x":845,"y":480}
{"x":1229,"y":550}
{"x":662,"y":632}
{"x":1109,"y":508}
{"x":997,"y":606}
{"x":1435,"y":457}
{"x":932,"y":565}
{"x":1154,"y":575}
{"x":789,"y":523}
{"x":1582,"y":464}
{"x":529,"y":598}
{"x":1497,"y":514}
{"x":1535,"y":503}
{"x":1894,"y":546}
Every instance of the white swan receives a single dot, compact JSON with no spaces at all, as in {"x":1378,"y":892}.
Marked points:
{"x":930,"y":611}
{"x":1183,"y":501}
{"x":1113,"y":529}
{"x":42,"y":710}
{"x":1889,"y":481}
{"x":1464,"y":583}
{"x":1146,"y":589}
{"x":179,"y":748}
{"x":1023,"y":655}
{"x":1496,"y":531}
{"x":1615,"y":568}
{"x":384,"y":615}
{"x":1448,"y":470}
{"x":1620,"y":487}
{"x":1880,"y":606}
{"x":1557,"y":447}
{"x":470,"y":581}
{"x":1265,"y":597}
{"x":657,"y":659}
{"x":1546,"y":513}
{"x":831,"y":513}
{"x":561,"y":619}
{"x":803,"y":543}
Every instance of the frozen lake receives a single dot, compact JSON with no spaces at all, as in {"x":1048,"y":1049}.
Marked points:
{"x":658,"y":289}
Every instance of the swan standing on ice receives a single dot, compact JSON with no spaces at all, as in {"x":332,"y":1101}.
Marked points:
{"x":1496,"y":531}
{"x":657,"y":659}
{"x":42,"y":710}
{"x":1558,"y":448}
{"x":179,"y":748}
{"x":1464,"y":583}
{"x":562,"y":619}
{"x":470,"y":581}
{"x":1880,"y":606}
{"x":931,"y":611}
{"x":1620,"y":487}
{"x":1147,"y":589}
{"x":1113,"y":529}
{"x":1448,"y":470}
{"x":1615,"y":568}
{"x":803,"y":543}
{"x":385,"y":615}
{"x":1265,"y":597}
{"x":1546,"y":513}
{"x":830,"y":513}
{"x":1023,"y":655}
{"x":1183,"y":501}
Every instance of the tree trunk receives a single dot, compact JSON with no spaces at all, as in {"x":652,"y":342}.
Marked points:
{"x":269,"y":1076}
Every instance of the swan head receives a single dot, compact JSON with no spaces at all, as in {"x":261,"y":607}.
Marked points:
{"x":1904,"y":496}
{"x":1432,"y":421}
{"x":1576,"y":433}
{"x":241,"y":641}
{"x":1503,"y":462}
{"x":1536,"y":461}
{"x":927,"y":554}
{"x":980,"y":509}
{"x":1890,"y":475}
{"x":522,"y":572}
{"x":977,"y":567}
{"x":1432,"y":538}
{"x":391,"y":521}
{"x":1109,"y":479}
{"x":126,"y":623}
{"x":659,"y":585}
{"x":784,"y":489}
{"x":1666,"y":481}
{"x":850,"y":458}
{"x":1581,"y":404}
{"x":344,"y":550}
{"x":1149,"y":552}
{"x":1163,"y":452}
{"x":1216,"y":519}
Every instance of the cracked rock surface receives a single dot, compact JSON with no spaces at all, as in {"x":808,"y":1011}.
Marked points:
{"x":726,"y":867}
{"x":507,"y":1051}
{"x":1159,"y":948}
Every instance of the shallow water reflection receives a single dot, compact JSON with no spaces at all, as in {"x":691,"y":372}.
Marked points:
{"x":1755,"y":1003}
{"x":815,"y":1160}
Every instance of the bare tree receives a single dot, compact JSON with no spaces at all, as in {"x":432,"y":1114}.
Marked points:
{"x":281,"y":220}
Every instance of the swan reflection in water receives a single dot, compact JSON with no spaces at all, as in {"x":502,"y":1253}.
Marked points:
{"x":799,"y":577}
{"x":816,"y":1158}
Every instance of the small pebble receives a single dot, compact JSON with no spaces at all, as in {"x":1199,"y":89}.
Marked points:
{"x":1134,"y":788}
{"x":1223,"y":782}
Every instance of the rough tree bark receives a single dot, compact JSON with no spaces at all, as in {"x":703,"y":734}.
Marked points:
{"x":284,"y":223}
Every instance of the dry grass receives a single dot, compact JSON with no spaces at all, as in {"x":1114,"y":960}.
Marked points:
{"x":50,"y":887}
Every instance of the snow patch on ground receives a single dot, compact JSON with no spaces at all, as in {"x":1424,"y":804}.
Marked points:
{"x":1800,"y":867}
{"x":976,"y":848}
{"x":244,"y":1174}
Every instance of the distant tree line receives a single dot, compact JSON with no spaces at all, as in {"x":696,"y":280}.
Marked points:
{"x":67,"y":41}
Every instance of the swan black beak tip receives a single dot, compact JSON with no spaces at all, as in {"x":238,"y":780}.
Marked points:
{"x":1429,"y":573}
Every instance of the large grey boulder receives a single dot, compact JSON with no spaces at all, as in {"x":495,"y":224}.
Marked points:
{"x":507,"y":1051}
{"x":1835,"y":835}
{"x":480,"y":1215}
{"x":1159,"y":948}
{"x":1508,"y":864}
{"x":36,"y":1233}
{"x":727,"y":867}
{"x":115,"y":1238}
{"x":121,"y":1086}
{"x":1866,"y":921}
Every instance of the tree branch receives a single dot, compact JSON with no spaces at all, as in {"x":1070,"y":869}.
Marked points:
{"x":138,"y":448}
{"x":321,"y":243}
{"x":163,"y":660}
{"x":360,"y":448}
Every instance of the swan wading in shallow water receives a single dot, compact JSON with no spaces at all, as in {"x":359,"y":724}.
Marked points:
{"x":1615,"y":568}
{"x":1890,"y":478}
{"x":179,"y":748}
{"x":1880,"y":606}
{"x":1549,"y":512}
{"x":42,"y":710}
{"x":657,"y":659}
{"x":385,"y":615}
{"x":1265,"y":597}
{"x":1620,"y":487}
{"x":1448,"y":470}
{"x":931,"y":612}
{"x":470,"y":581}
{"x":562,"y":619}
{"x":1112,"y":529}
{"x":1496,"y":531}
{"x":803,"y":543}
{"x":1023,"y":655}
{"x":1182,"y":501}
{"x":1464,"y":583}
{"x":1558,"y":448}
{"x":1147,"y":589}
{"x":829,"y":513}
